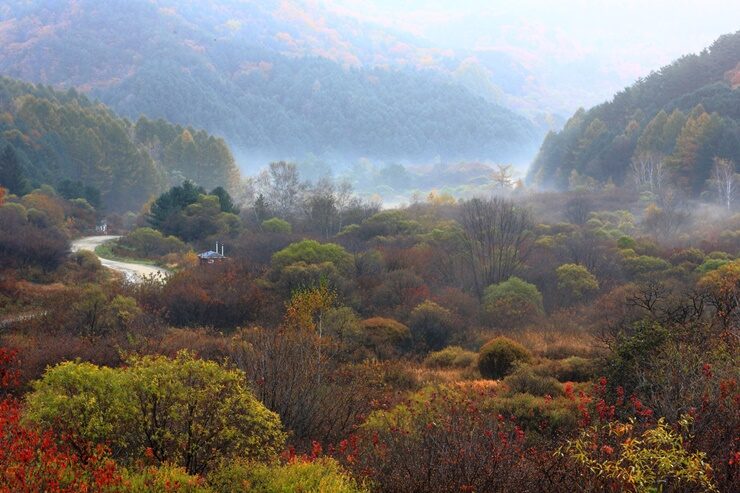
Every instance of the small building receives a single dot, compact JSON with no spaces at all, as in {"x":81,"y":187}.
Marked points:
{"x":211,"y":256}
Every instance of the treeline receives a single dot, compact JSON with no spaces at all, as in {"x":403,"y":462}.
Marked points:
{"x":295,"y":107}
{"x":194,"y":73}
{"x":48,"y":136}
{"x":685,"y":115}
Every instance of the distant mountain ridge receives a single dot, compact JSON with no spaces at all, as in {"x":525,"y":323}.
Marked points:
{"x":688,"y":112}
{"x":244,"y":70}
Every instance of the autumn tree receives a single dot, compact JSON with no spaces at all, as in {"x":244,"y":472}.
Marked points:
{"x":307,"y":307}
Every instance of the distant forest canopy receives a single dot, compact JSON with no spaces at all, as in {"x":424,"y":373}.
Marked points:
{"x":157,"y":61}
{"x":684,"y":116}
{"x":54,"y":137}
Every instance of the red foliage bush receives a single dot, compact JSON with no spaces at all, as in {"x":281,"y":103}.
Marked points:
{"x":32,"y":461}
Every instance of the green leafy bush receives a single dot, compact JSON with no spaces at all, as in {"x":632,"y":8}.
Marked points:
{"x":512,"y":303}
{"x":431,"y":325}
{"x":276,"y":225}
{"x":524,"y":380}
{"x":497,"y":357}
{"x":92,"y":403}
{"x":450,"y":357}
{"x":576,"y":281}
{"x":164,"y":479}
{"x":188,"y":412}
{"x":148,"y":243}
{"x":300,"y":476}
{"x":572,"y":369}
{"x":559,"y":415}
{"x":385,"y":337}
{"x":312,"y":252}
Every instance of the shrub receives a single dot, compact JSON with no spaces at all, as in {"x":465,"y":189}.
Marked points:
{"x":525,"y":381}
{"x":626,"y":242}
{"x":312,"y":252}
{"x":497,"y":357}
{"x":572,"y":369}
{"x":512,"y":303}
{"x":442,"y":439}
{"x":657,"y":459}
{"x":276,"y":225}
{"x":691,"y":255}
{"x":450,"y":357}
{"x":384,"y":336}
{"x":92,"y":402}
{"x":195,"y":412}
{"x":87,"y":260}
{"x":320,"y":475}
{"x":711,"y":264}
{"x":431,"y":326}
{"x":576,"y":281}
{"x":148,"y":243}
{"x":187,"y":412}
{"x":24,"y":244}
{"x":31,"y":460}
{"x":164,"y":479}
{"x":645,"y":264}
{"x":540,"y":416}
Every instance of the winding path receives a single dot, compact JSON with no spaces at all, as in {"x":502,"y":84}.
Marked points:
{"x":133,"y":272}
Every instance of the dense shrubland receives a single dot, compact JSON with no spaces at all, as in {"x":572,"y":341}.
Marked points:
{"x":533,"y":341}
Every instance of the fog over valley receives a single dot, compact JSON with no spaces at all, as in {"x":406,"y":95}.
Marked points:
{"x":340,"y":246}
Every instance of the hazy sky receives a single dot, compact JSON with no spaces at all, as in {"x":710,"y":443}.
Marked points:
{"x":626,"y":38}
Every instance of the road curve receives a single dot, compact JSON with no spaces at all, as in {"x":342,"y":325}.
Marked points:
{"x":133,"y":272}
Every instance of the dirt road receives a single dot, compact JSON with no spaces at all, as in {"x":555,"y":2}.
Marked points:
{"x":133,"y":272}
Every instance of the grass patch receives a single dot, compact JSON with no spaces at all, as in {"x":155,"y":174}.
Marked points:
{"x":105,"y":251}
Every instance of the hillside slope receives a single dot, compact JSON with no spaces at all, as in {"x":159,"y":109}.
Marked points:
{"x":60,"y":136}
{"x":246,"y":72}
{"x":687,"y":112}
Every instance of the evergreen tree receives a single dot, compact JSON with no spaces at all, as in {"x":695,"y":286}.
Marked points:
{"x":12,"y":175}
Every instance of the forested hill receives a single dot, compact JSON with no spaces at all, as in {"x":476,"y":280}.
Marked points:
{"x":214,"y":67}
{"x":48,"y":136}
{"x":687,"y":113}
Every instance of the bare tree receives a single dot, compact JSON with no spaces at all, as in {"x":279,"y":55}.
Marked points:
{"x":668,"y":216}
{"x":649,"y":171}
{"x":503,"y":176}
{"x":494,"y":234}
{"x":282,"y":368}
{"x":578,"y":208}
{"x":342,"y":199}
{"x":281,"y":186}
{"x":725,"y":180}
{"x":321,"y":207}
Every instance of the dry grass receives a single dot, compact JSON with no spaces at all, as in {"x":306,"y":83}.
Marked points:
{"x":548,"y":343}
{"x":437,"y":376}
